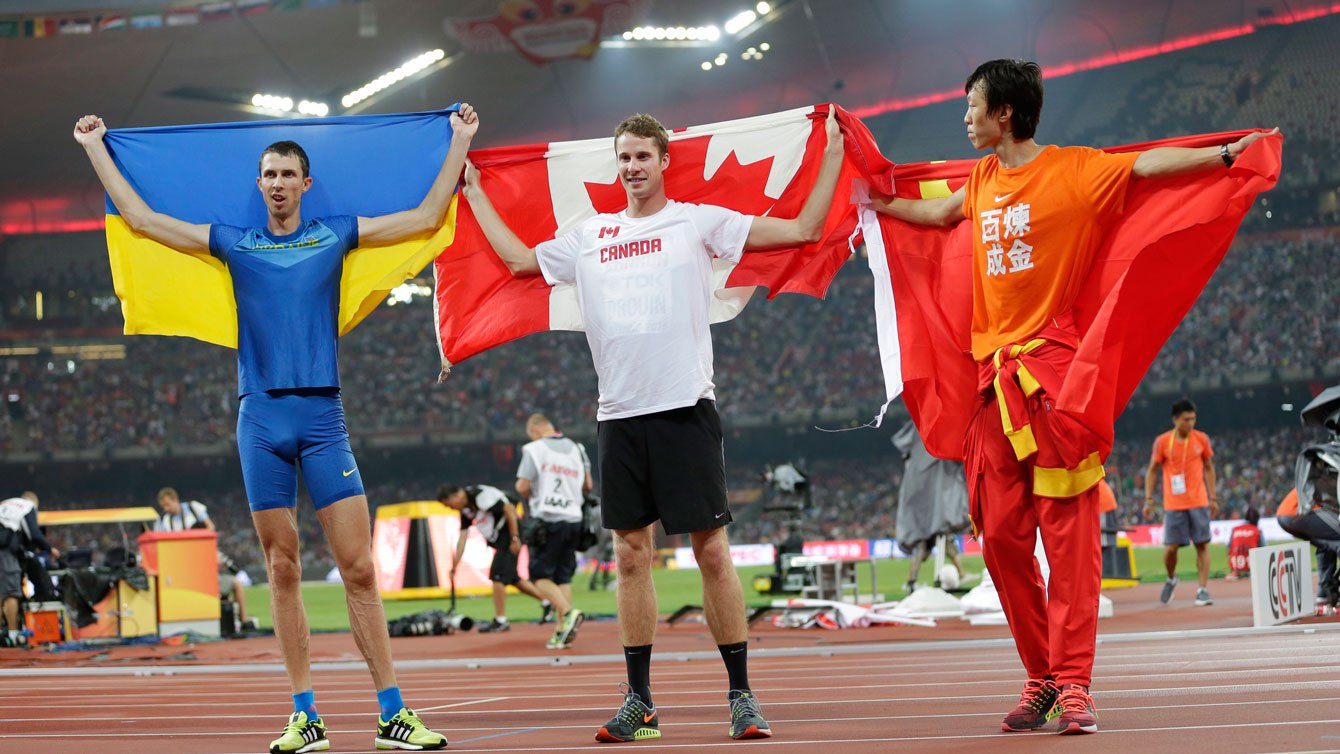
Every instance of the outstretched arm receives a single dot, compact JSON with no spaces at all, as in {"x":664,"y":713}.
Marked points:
{"x":808,"y":226}
{"x":938,"y":212}
{"x":427,"y":217}
{"x":1166,"y":162}
{"x":519,"y":258}
{"x":165,"y":229}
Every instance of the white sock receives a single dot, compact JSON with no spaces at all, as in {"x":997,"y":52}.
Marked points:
{"x":500,"y":618}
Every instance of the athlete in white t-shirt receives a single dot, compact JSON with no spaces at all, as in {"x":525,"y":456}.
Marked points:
{"x":553,"y":479}
{"x":643,"y":280}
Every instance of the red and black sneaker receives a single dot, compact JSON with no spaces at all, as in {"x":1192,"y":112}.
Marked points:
{"x":1077,"y":712}
{"x":1037,"y":705}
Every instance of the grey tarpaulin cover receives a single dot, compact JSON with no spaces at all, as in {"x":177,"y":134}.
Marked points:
{"x":933,"y":498}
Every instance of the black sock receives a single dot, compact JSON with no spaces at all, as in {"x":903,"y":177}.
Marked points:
{"x":638,"y":660}
{"x":736,"y":657}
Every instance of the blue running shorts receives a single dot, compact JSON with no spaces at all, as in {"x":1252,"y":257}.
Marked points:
{"x":279,"y":429}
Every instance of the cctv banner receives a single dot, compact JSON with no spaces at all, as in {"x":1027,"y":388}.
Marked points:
{"x":1281,"y":583}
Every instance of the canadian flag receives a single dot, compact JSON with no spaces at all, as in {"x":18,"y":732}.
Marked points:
{"x":764,"y":165}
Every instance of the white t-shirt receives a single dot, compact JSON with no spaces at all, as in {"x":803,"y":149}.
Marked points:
{"x":556,"y":468}
{"x":643,"y":286}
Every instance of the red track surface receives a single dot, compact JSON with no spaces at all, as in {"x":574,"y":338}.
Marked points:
{"x":1205,"y":692}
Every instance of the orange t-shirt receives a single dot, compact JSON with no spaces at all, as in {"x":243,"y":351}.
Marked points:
{"x":1107,"y":500}
{"x":1186,"y":458}
{"x":1036,"y":230}
{"x":1289,"y":506}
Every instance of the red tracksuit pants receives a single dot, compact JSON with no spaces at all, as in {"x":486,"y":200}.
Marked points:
{"x":1055,"y":625}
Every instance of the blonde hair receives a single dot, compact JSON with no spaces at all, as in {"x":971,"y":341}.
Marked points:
{"x":647,"y":127}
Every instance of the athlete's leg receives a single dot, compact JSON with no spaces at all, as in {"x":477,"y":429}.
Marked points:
{"x":723,"y":597}
{"x":1007,"y":520}
{"x":348,"y":529}
{"x":634,"y":552}
{"x":278,"y":532}
{"x":1070,"y":535}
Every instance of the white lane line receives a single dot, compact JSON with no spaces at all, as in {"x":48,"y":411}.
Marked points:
{"x":461,"y":704}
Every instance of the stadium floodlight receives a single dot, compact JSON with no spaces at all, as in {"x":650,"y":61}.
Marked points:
{"x":765,"y":47}
{"x":272,"y":102}
{"x":763,"y":9}
{"x":707,"y":65}
{"x":317,"y":109}
{"x":741,"y":21}
{"x":393,"y":77}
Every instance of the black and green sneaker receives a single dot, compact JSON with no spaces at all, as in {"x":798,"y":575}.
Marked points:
{"x":634,"y":721}
{"x":746,"y":719}
{"x":300,"y":736}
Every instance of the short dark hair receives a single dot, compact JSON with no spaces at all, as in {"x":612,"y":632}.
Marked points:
{"x":1251,"y":516}
{"x":446,"y":491}
{"x":168,"y":492}
{"x":1183,"y":406}
{"x":1017,"y":83}
{"x":647,"y":127}
{"x":288,"y":149}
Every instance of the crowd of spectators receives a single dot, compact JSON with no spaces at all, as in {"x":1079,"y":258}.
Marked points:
{"x":1269,"y":307}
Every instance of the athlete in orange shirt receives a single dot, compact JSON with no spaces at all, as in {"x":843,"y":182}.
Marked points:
{"x":1189,"y":497}
{"x":1039,"y":214}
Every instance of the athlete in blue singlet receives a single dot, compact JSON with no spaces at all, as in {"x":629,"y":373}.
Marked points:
{"x":286,"y":280}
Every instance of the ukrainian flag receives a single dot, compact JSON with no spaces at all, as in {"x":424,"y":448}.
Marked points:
{"x":363,"y":165}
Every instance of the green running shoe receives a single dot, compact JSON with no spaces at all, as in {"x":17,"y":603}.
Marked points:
{"x":301,"y":736}
{"x":571,"y":622}
{"x":406,"y":731}
{"x":746,"y":720}
{"x":634,"y":721}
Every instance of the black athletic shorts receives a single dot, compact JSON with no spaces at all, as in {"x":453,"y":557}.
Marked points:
{"x":503,"y":569}
{"x":556,"y":559}
{"x":668,"y":466}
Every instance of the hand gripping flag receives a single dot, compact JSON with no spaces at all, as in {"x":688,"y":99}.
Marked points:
{"x":363,"y":165}
{"x":764,"y":165}
{"x":1147,"y":274}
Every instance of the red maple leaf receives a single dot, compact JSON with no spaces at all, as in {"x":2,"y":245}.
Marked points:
{"x":733,"y":185}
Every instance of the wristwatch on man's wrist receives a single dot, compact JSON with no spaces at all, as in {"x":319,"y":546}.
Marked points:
{"x":1225,"y":155}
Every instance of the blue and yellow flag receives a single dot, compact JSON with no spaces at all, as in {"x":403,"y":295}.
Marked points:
{"x":365,"y":165}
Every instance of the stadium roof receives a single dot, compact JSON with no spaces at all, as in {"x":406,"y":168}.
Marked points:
{"x":868,"y":55}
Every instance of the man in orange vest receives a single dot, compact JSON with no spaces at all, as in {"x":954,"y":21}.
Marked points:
{"x":1189,"y":496}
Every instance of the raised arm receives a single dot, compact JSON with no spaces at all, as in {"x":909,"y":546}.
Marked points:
{"x":1166,"y":162}
{"x":165,"y":229}
{"x":428,"y":216}
{"x":943,"y":211}
{"x":519,"y":258}
{"x":808,"y":226}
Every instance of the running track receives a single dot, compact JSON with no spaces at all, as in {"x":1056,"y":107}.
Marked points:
{"x":1220,"y":690}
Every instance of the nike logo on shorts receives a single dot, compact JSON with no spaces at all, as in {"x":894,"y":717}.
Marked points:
{"x":350,"y":471}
